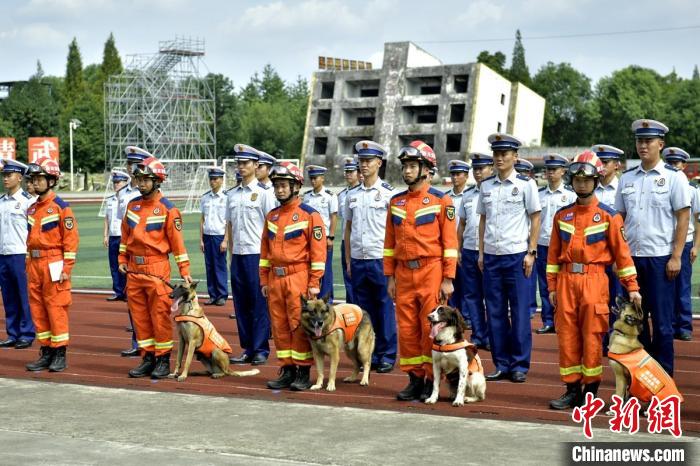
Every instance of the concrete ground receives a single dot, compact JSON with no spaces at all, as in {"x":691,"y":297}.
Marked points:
{"x":56,"y":424}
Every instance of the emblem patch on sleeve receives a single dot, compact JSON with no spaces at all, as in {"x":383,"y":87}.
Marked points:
{"x":178,"y":224}
{"x":68,"y":223}
{"x":450,"y":211}
{"x":318,"y":234}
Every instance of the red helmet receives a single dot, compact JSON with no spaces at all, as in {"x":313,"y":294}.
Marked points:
{"x":287,"y":171}
{"x":418,"y":150}
{"x":586,"y":164}
{"x":151,"y":167}
{"x":44,"y":166}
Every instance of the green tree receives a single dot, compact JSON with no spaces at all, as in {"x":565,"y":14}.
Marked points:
{"x":226,"y":113}
{"x":569,"y":118}
{"x":496,"y":62}
{"x":683,"y":108}
{"x":111,"y":61}
{"x":6,"y":129}
{"x":272,"y":87}
{"x":518,"y":68}
{"x":74,"y":85}
{"x":696,"y":73}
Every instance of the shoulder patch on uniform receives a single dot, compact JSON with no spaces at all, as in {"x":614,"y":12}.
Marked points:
{"x":263,"y":185}
{"x":607,"y":209}
{"x":137,"y":198}
{"x":386,"y":185}
{"x":166,"y":202}
{"x":26,"y":194}
{"x":343,"y":190}
{"x":523,"y":177}
{"x":328,"y":191}
{"x":542,"y":188}
{"x":398,"y":194}
{"x":671,"y":167}
{"x":61,"y":203}
{"x":436,"y":192}
{"x":307,"y":208}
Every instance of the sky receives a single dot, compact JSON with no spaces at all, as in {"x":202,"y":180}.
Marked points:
{"x":241,"y":37}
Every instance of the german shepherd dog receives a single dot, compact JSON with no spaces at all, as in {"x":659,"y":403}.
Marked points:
{"x":185,"y":303}
{"x":326,"y":327}
{"x":456,"y":357}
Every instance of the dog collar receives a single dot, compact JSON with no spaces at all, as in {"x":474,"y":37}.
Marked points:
{"x":448,"y":348}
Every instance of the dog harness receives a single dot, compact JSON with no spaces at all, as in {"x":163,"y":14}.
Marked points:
{"x":474,"y":364}
{"x":212,"y":339}
{"x":347,"y":318}
{"x":647,"y":377}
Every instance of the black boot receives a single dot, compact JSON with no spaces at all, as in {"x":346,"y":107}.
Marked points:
{"x":44,"y":361}
{"x":568,"y":400}
{"x":413,"y":390}
{"x":427,"y":389}
{"x":287,"y":376}
{"x":145,"y":368}
{"x":162,"y":369}
{"x":589,"y":388}
{"x":303,"y":380}
{"x":58,"y":363}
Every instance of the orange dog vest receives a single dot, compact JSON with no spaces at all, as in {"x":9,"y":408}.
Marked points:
{"x":212,"y":339}
{"x":647,"y":376}
{"x":474,"y":364}
{"x":347,"y":318}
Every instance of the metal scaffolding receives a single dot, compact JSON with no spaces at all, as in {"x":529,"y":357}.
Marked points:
{"x":161,"y":103}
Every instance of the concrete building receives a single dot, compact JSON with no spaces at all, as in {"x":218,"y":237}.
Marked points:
{"x":415,"y":96}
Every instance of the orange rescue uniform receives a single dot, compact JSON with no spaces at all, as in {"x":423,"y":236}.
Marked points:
{"x":150,"y":230}
{"x":420,"y":250}
{"x":292,"y":260}
{"x":584,"y":240}
{"x":53,"y":237}
{"x":212,"y":338}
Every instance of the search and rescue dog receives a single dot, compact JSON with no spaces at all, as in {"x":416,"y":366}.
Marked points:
{"x":331,"y":327}
{"x":636,"y":372}
{"x":199,"y":335}
{"x":456,"y":357}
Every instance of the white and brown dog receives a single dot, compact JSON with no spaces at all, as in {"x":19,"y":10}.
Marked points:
{"x":456,"y":357}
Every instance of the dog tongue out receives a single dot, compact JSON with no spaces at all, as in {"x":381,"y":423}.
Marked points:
{"x":435,"y":329}
{"x":318,"y":331}
{"x":176,"y":303}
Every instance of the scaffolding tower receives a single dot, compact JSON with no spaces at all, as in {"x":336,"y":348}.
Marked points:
{"x":162,"y":104}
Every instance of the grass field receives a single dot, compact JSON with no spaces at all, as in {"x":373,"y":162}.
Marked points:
{"x":92,"y":268}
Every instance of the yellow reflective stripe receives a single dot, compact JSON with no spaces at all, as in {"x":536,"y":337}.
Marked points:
{"x":50,"y":218}
{"x":182,"y":258}
{"x":398,"y":212}
{"x":30,"y":220}
{"x":43,"y":335}
{"x":410,"y":361}
{"x":164,"y":344}
{"x":388,"y":253}
{"x":272,"y":227}
{"x":427,"y":359}
{"x":318,"y":266}
{"x":287,"y":353}
{"x":567,"y":227}
{"x":553,"y":268}
{"x":593,"y":371}
{"x":132,"y":216}
{"x":570,"y":370}
{"x":596,"y":229}
{"x":69,"y":255}
{"x":296,"y":226}
{"x":156,"y":219}
{"x":122,"y":248}
{"x":433,"y":209}
{"x":144,"y":343}
{"x":627,"y":271}
{"x":264,"y":263}
{"x":59,"y":338}
{"x":301,"y":356}
{"x":450,"y":253}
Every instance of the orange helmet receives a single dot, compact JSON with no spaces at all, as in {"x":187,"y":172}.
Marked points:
{"x":151,"y":167}
{"x":586,"y":164}
{"x":418,"y":150}
{"x":287,"y":171}
{"x":44,"y":166}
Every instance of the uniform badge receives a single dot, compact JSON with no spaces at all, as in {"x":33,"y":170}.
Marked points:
{"x":450,"y":211}
{"x":563,"y":198}
{"x":68,"y":223}
{"x":596,"y":217}
{"x":400,"y":202}
{"x":568,"y":216}
{"x":295,"y":217}
{"x":275,"y":217}
{"x":253,"y":196}
{"x":515,"y":191}
{"x":156,"y":211}
{"x":318,"y":234}
{"x":426,"y":200}
{"x":178,"y":223}
{"x":378,"y":197}
{"x":660,"y":182}
{"x":50,"y":211}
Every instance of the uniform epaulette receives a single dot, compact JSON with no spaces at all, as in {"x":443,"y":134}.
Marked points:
{"x":263,"y":185}
{"x":542,"y":189}
{"x":137,"y":198}
{"x":328,"y":191}
{"x":566,"y":207}
{"x":523,"y":177}
{"x":469,"y":189}
{"x":306,"y":192}
{"x":61,"y":203}
{"x":386,"y":185}
{"x":109,"y":197}
{"x":489,"y":178}
{"x":399,"y":194}
{"x":307,"y":208}
{"x":166,"y":202}
{"x":671,"y":167}
{"x":208,"y":192}
{"x":630,"y":169}
{"x":569,"y":188}
{"x":343,"y":190}
{"x":607,"y":208}
{"x":226,"y":191}
{"x":436,"y":192}
{"x":26,"y":194}
{"x":357,"y":186}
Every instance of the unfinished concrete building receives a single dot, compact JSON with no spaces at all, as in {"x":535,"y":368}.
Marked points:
{"x":414,"y":96}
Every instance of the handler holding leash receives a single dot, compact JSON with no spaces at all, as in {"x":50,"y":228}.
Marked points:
{"x":292,"y":262}
{"x":587,"y":236}
{"x":151,"y":229}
